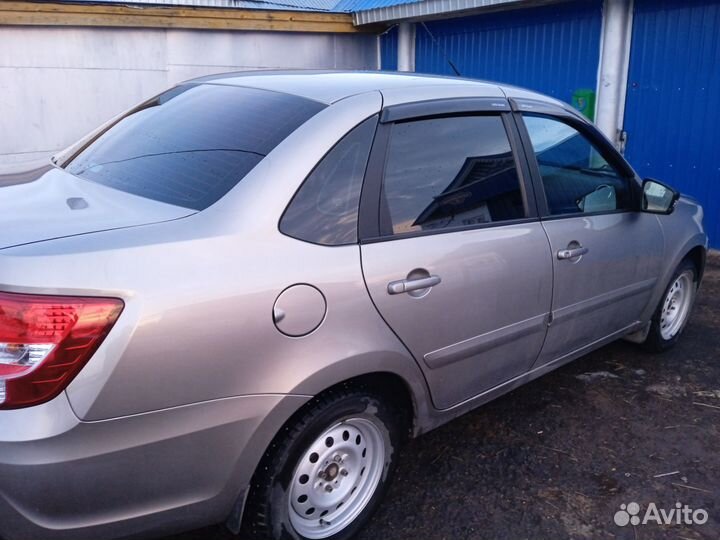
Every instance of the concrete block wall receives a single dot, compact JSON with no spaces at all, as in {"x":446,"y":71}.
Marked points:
{"x":57,"y":84}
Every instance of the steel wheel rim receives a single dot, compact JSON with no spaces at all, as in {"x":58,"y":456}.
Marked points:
{"x":336,"y":478}
{"x":676,"y":305}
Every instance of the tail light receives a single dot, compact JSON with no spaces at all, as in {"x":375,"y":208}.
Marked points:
{"x":46,"y":340}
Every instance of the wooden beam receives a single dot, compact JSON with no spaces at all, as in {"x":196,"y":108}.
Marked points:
{"x":56,"y":14}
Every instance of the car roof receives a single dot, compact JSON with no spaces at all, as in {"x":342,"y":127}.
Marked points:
{"x":331,"y":86}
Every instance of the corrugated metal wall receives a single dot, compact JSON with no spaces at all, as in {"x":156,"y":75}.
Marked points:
{"x":388,"y":49}
{"x":362,"y":5}
{"x":554,"y":49}
{"x":672,"y":112}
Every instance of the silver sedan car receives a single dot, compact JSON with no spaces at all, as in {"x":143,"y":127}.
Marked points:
{"x":236,"y":301}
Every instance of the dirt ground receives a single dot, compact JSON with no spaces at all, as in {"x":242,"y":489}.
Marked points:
{"x":557,"y":457}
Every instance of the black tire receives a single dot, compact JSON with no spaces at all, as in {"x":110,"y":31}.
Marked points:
{"x":267,"y":515}
{"x":655,"y":341}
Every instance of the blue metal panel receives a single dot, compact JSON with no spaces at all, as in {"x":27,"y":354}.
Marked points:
{"x":388,"y":50}
{"x":672,"y":112}
{"x":553,"y":49}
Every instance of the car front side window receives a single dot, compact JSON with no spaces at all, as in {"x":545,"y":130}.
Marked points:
{"x":576,"y":178}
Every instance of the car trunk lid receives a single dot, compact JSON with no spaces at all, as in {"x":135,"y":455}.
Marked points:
{"x":57,"y":204}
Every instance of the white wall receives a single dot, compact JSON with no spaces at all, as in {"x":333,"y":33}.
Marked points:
{"x":57,"y":84}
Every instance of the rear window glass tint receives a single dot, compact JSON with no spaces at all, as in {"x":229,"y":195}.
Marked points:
{"x":192,"y":144}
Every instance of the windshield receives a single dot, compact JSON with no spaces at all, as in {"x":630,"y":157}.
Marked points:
{"x":192,"y":144}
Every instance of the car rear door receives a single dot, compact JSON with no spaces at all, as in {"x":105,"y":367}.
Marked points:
{"x":606,"y":254}
{"x":453,"y":254}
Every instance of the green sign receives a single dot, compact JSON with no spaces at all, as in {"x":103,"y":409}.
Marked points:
{"x":584,"y":101}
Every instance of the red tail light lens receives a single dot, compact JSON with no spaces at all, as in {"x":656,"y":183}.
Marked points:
{"x":46,"y":340}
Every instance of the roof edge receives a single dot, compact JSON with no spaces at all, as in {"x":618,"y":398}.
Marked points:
{"x":438,"y":9}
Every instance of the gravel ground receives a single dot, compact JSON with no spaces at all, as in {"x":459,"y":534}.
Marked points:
{"x":557,"y":457}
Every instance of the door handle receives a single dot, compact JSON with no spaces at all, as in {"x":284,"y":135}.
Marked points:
{"x":407,"y":285}
{"x":572,"y":253}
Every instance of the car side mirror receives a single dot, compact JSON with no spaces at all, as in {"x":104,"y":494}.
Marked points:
{"x":658,"y":198}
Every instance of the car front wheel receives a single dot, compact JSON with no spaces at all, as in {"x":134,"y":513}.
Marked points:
{"x":673,"y":312}
{"x":325,"y":474}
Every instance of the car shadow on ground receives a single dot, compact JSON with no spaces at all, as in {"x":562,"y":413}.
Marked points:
{"x":558,"y":457}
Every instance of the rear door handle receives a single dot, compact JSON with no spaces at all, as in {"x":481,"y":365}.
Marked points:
{"x":572,"y":253}
{"x":407,"y":285}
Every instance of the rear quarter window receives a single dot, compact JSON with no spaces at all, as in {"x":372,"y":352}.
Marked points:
{"x":325,"y":209}
{"x":192,"y":144}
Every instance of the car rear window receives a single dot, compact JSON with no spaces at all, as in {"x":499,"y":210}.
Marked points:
{"x":191,"y":145}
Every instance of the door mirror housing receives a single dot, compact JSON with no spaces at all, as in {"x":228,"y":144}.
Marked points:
{"x":658,"y":198}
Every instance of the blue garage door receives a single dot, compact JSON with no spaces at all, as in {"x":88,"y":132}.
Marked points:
{"x":672,"y":115}
{"x":553,"y":49}
{"x":388,"y":49}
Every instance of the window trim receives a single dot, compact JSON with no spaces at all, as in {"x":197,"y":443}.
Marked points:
{"x":442,"y":107}
{"x":591,"y":134}
{"x":371,"y":204}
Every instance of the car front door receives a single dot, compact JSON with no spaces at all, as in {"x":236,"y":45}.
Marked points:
{"x":453,"y":254}
{"x":606,"y":254}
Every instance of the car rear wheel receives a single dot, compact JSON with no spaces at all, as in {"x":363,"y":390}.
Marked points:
{"x":325,"y":474}
{"x":673,"y":312}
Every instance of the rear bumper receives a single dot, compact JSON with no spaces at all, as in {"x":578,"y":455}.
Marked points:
{"x":145,"y":474}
